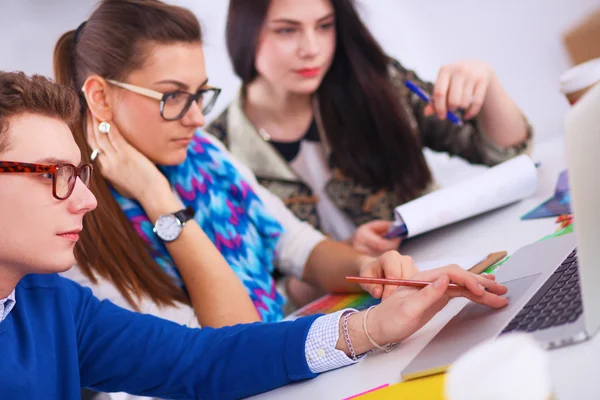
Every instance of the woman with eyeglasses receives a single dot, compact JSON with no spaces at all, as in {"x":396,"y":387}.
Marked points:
{"x":182,"y":230}
{"x":325,"y":121}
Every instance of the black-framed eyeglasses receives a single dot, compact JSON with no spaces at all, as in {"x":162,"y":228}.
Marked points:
{"x":174,"y":105}
{"x":64,"y":176}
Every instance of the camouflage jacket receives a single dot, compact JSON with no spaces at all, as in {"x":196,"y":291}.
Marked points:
{"x":359,"y":202}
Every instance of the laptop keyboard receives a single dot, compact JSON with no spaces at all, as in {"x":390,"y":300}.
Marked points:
{"x":556,"y":303}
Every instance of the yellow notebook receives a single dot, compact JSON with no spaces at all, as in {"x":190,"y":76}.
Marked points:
{"x":427,"y":388}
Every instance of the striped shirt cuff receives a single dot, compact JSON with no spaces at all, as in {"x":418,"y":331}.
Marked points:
{"x":321,"y":354}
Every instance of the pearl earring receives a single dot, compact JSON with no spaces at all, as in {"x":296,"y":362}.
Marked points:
{"x":104,"y":127}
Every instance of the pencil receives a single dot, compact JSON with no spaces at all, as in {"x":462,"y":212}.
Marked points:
{"x":395,"y":282}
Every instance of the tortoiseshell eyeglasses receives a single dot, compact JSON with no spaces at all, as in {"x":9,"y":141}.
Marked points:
{"x":63,"y":176}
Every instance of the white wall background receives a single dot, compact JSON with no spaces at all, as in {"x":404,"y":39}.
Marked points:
{"x":520,"y":38}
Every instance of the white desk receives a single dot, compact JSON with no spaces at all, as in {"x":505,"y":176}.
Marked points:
{"x":572,"y":368}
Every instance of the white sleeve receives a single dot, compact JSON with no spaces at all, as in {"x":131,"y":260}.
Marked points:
{"x":104,"y":289}
{"x":298,"y":239}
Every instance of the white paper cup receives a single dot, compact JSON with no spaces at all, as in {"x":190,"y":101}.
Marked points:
{"x":575,"y":82}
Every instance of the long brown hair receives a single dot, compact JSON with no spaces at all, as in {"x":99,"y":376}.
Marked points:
{"x":112,"y":43}
{"x":366,"y":126}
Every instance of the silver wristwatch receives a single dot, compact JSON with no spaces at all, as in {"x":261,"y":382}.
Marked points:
{"x":168,"y":227}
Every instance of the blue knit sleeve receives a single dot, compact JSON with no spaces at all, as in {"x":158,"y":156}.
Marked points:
{"x":144,"y":355}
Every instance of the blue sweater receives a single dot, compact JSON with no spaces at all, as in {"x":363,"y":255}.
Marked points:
{"x":59,"y":337}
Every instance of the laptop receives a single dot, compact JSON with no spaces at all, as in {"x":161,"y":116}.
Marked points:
{"x":553,"y":285}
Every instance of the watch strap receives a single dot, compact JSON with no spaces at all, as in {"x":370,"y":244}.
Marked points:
{"x":185,"y":215}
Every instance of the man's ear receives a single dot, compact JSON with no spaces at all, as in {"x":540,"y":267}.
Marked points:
{"x":96,"y":91}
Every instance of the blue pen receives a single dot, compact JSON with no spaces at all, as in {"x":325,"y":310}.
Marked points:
{"x":455,"y":119}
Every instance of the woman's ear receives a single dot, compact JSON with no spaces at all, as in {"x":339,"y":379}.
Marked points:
{"x":96,"y":91}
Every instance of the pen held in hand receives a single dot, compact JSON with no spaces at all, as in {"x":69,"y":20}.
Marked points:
{"x":394,"y":282}
{"x":455,"y":119}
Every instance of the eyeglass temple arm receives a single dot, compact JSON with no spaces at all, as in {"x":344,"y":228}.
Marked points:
{"x":136,"y":89}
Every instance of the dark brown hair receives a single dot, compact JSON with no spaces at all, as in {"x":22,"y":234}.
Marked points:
{"x":114,"y":42}
{"x":21,"y":94}
{"x":368,"y":130}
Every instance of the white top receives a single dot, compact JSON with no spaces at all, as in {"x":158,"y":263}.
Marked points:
{"x":311,"y":166}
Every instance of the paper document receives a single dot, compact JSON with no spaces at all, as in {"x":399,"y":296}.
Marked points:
{"x":495,"y":187}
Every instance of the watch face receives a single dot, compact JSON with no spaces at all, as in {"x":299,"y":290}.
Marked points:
{"x":167,"y":227}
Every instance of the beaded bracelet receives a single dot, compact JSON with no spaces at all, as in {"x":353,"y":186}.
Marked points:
{"x":347,"y":335}
{"x":387,"y":348}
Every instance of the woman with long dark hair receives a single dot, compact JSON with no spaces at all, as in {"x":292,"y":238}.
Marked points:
{"x":324,"y":119}
{"x":313,"y":74}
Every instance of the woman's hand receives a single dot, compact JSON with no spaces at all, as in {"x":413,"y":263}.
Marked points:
{"x":408,"y":308}
{"x":481,"y":289}
{"x":130,"y":172}
{"x":391,"y":265}
{"x":461,"y":85}
{"x":368,"y":238}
